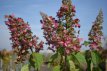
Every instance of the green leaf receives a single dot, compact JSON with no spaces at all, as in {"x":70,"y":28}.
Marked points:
{"x":96,"y":58}
{"x":55,"y":59}
{"x":93,"y":59}
{"x":56,"y":68}
{"x":61,"y":50}
{"x":25,"y":68}
{"x":80,"y":60}
{"x":86,"y":43}
{"x":72,"y":66}
{"x":36,"y":60}
{"x":88,"y":60}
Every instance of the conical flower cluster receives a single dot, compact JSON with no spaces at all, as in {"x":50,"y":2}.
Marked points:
{"x":95,"y":34}
{"x":61,"y":33}
{"x":21,"y":37}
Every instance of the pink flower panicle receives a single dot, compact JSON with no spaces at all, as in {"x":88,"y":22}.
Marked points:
{"x":61,"y":32}
{"x":96,"y":34}
{"x":21,"y":37}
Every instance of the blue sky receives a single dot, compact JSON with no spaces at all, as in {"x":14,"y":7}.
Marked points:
{"x":29,"y":10}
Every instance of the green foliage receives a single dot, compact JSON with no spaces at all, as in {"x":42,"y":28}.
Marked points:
{"x":55,"y":59}
{"x":25,"y":68}
{"x":88,"y":59}
{"x":93,"y":59}
{"x":56,"y":33}
{"x":72,"y":66}
{"x":56,"y":68}
{"x":86,"y":43}
{"x":79,"y":60}
{"x":61,"y":50}
{"x":36,"y":60}
{"x":96,"y":59}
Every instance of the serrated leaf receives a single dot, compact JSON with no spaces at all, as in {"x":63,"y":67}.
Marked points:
{"x":25,"y":68}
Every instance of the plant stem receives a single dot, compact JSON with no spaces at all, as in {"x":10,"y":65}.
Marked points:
{"x":65,"y":60}
{"x":37,"y":69}
{"x":31,"y":49}
{"x":61,"y":62}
